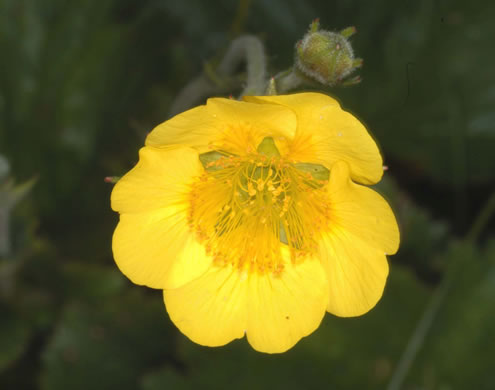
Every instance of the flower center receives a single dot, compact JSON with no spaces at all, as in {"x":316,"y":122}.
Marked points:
{"x":247,"y":209}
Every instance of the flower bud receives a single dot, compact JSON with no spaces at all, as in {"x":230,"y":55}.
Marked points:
{"x":327,"y":57}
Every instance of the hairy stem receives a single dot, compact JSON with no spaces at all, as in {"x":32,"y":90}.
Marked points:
{"x":287,"y":81}
{"x":246,"y":48}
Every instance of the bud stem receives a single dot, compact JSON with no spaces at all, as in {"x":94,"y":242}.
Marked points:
{"x":287,"y":81}
{"x":246,"y":48}
{"x":253,"y":50}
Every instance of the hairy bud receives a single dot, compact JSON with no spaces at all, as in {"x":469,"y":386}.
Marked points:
{"x":327,"y":57}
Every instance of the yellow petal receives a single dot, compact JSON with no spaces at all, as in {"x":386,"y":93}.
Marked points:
{"x":361,"y":211}
{"x":356,"y":273}
{"x":225,"y":124}
{"x":210,"y":310}
{"x":156,"y":249}
{"x":283,"y":310}
{"x":274,"y":311}
{"x":160,"y":178}
{"x":152,"y":243}
{"x":325,"y":134}
{"x":353,"y":253}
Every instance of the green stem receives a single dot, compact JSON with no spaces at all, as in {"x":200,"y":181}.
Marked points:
{"x":246,"y":48}
{"x":254,"y":52}
{"x":287,"y":81}
{"x":455,"y":113}
{"x":5,"y":244}
{"x":418,"y":337}
{"x":482,"y":219}
{"x":241,"y":16}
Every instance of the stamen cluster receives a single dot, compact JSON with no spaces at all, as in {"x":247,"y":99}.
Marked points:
{"x":247,"y":209}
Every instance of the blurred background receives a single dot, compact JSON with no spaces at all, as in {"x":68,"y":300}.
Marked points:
{"x":82,"y":82}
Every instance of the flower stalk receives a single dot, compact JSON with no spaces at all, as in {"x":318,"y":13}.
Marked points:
{"x":322,"y":58}
{"x":248,"y":49}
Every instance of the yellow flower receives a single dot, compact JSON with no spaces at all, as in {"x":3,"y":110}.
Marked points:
{"x":247,"y":214}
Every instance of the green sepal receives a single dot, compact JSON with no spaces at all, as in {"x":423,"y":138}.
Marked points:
{"x":283,"y":235}
{"x":285,"y":240}
{"x":268,"y":148}
{"x":319,"y":172}
{"x":357,"y":63}
{"x":210,"y":157}
{"x":315,"y":25}
{"x":348,"y":32}
{"x":352,"y":81}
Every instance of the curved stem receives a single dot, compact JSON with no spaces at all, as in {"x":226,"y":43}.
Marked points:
{"x":418,"y":337}
{"x":246,"y":48}
{"x":287,"y":81}
{"x":254,"y":53}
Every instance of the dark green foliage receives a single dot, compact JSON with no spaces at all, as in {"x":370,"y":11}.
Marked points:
{"x":82,"y":82}
{"x":343,"y":353}
{"x":456,"y":352}
{"x":109,"y":345}
{"x":14,"y":336}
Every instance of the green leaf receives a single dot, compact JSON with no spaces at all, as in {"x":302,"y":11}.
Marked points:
{"x":15,"y":333}
{"x":107,"y":346}
{"x":458,"y":351}
{"x":91,"y":282}
{"x":166,"y":378}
